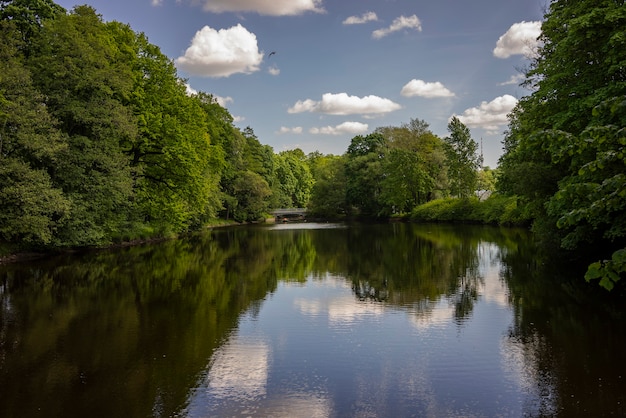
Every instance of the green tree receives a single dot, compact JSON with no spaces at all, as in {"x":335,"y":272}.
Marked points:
{"x":564,"y":149}
{"x":328,"y":195}
{"x":178,"y":169}
{"x":31,"y":206}
{"x":28,"y":15}
{"x":413,"y":173}
{"x":75,"y":62}
{"x":364,"y":173}
{"x":294,"y":179}
{"x":462,"y":159}
{"x":251,"y":194}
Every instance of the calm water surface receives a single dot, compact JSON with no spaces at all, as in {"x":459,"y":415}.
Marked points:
{"x":310,"y":320}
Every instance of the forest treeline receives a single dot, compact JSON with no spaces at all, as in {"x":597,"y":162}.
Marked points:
{"x":101,"y":142}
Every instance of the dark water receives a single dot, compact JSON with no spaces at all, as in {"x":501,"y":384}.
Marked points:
{"x":310,"y":320}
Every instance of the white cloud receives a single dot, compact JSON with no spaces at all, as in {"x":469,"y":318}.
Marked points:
{"x":424,"y":89}
{"x":520,"y":39}
{"x":238,"y":119}
{"x":239,"y":368}
{"x":342,"y":104}
{"x":515,"y":79}
{"x":489,"y":115}
{"x":399,"y":23}
{"x":264,"y":7}
{"x":190,"y":91}
{"x":357,"y":20}
{"x":221,"y":53}
{"x":295,"y":130}
{"x":157,"y":2}
{"x":223,"y":100}
{"x":273,"y":70}
{"x":354,"y":128}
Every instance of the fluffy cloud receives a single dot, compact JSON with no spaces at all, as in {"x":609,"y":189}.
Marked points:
{"x":264,"y":7}
{"x":273,"y":70}
{"x":520,"y":39}
{"x":285,"y":130}
{"x":424,"y":89}
{"x":353,"y":128}
{"x":515,"y":79}
{"x":222,"y":101}
{"x":357,"y":20}
{"x":489,"y":115}
{"x":342,"y":104}
{"x":399,"y":23}
{"x":221,"y":53}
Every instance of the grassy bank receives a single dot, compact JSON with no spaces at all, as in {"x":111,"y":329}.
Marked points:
{"x":496,"y":210}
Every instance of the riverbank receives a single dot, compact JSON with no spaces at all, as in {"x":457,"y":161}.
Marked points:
{"x":11,"y":253}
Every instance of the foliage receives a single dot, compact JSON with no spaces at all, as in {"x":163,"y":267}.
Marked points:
{"x":100,"y":142}
{"x":328,"y":195}
{"x":293,"y":179}
{"x":564,"y":153}
{"x":364,"y":172}
{"x":496,"y":210}
{"x":463,"y":160}
{"x":250,"y":192}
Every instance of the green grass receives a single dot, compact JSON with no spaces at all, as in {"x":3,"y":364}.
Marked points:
{"x":496,"y":210}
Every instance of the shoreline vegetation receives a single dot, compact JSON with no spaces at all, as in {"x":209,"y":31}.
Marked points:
{"x":101,"y":144}
{"x":496,"y":210}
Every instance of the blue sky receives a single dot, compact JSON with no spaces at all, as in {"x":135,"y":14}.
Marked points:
{"x":345,"y":67}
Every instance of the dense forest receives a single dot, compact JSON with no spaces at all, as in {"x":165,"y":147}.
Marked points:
{"x":101,"y":142}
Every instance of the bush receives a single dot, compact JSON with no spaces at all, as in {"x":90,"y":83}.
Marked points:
{"x":498,"y":210}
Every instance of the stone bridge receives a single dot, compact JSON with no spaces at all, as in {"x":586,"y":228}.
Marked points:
{"x":289,"y":214}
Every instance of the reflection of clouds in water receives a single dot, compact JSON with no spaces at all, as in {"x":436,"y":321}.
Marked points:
{"x":236,"y":385}
{"x":346,"y":309}
{"x":340,"y":310}
{"x":297,"y":405}
{"x":239,"y":369}
{"x":493,"y":289}
{"x":432,"y":314}
{"x":519,"y":361}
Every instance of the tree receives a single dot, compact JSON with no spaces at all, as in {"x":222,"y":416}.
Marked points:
{"x":413,"y":173}
{"x":328,"y":195}
{"x":564,"y":149}
{"x":31,"y":206}
{"x":29,"y":15}
{"x":75,"y":61}
{"x":462,"y":158}
{"x":364,"y":172}
{"x":251,"y":193}
{"x":486,"y":181}
{"x":406,"y":182}
{"x":294,"y":178}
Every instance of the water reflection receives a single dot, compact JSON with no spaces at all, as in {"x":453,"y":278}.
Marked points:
{"x":332,"y":320}
{"x":239,"y":370}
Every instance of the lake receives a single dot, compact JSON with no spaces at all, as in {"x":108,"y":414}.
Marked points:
{"x":311,"y":320}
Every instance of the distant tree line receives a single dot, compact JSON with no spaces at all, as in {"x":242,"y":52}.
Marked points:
{"x":101,"y":142}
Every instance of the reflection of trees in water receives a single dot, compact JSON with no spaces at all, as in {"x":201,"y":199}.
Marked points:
{"x":57,"y":314}
{"x":565,"y":335}
{"x":364,"y":290}
{"x":405,"y":264}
